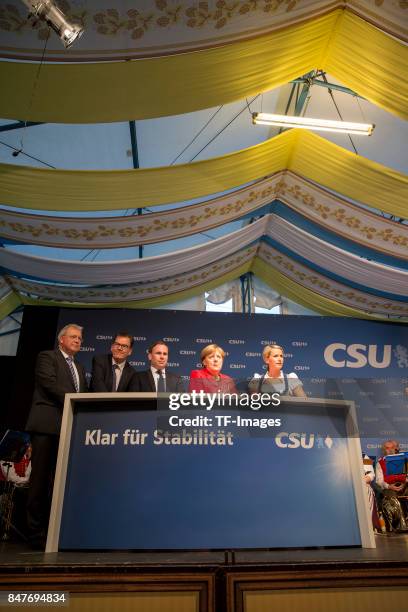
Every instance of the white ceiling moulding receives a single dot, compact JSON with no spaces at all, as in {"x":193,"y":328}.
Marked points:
{"x":116,"y":30}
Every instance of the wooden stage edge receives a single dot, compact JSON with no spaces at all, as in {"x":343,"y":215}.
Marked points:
{"x":230,"y":581}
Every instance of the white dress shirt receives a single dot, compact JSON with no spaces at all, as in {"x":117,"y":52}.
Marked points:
{"x":156,"y":375}
{"x":66,"y":356}
{"x":118,"y":371}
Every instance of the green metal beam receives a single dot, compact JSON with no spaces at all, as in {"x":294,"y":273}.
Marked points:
{"x":315,"y":81}
{"x":307,"y":81}
{"x":135,"y":158}
{"x":246,"y":293}
{"x":133,"y":140}
{"x":18,"y":125}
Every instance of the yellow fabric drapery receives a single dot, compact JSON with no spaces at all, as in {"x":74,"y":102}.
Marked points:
{"x":298,"y":150}
{"x":320,"y":206}
{"x":355,"y":52}
{"x":374,"y":66}
{"x":9,"y":303}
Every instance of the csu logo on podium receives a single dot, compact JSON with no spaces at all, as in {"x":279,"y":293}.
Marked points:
{"x":294,"y":440}
{"x":302,"y":440}
{"x":339,"y":355}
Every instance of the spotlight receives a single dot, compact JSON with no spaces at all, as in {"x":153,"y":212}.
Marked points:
{"x":51,"y":14}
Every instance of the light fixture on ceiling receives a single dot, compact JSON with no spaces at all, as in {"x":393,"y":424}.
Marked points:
{"x":46,"y":9}
{"x":324,"y":125}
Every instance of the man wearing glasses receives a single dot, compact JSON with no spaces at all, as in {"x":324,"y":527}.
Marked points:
{"x":112,"y":372}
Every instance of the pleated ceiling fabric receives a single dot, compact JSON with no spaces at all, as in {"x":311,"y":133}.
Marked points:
{"x":329,"y":211}
{"x":353,"y":51}
{"x":301,"y":151}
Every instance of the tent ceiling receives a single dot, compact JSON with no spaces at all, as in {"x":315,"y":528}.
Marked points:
{"x":328,"y":189}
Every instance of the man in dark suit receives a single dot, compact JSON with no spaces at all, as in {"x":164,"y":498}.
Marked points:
{"x":157,"y":378}
{"x":56,"y":374}
{"x":113,"y":372}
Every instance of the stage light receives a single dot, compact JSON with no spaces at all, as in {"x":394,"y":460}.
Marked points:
{"x":55,"y":18}
{"x":324,"y":125}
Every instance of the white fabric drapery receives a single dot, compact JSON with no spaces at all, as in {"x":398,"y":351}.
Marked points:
{"x":350,"y":267}
{"x":330,"y":211}
{"x":270,"y":261}
{"x":347,"y":265}
{"x":135,"y":270}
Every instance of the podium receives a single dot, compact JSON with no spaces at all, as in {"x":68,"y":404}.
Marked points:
{"x":133,"y":477}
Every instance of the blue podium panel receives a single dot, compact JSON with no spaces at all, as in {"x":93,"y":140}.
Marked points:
{"x":136,"y":482}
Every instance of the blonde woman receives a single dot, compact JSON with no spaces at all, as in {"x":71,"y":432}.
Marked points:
{"x":275,"y":380}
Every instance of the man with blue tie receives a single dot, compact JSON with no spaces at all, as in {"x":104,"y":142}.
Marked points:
{"x":112,"y":372}
{"x":158,"y":378}
{"x":56,"y":374}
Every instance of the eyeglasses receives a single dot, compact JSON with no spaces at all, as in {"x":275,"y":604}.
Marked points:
{"x":122,"y":347}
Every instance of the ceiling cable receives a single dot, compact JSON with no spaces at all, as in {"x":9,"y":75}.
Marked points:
{"x":197,"y":135}
{"x":18,"y":151}
{"x":338,"y":110}
{"x":224,"y":128}
{"x":37,"y":78}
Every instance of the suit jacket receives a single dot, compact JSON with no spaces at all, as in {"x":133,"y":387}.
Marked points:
{"x":53,"y":380}
{"x":145,"y":382}
{"x":102,"y":375}
{"x":203,"y":380}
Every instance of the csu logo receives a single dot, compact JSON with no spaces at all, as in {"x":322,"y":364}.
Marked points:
{"x":338,"y":355}
{"x":302,"y":440}
{"x":294,"y":440}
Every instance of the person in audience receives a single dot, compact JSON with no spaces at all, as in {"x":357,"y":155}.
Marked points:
{"x":56,"y":373}
{"x":275,"y":380}
{"x":113,"y":372}
{"x":158,"y":378}
{"x":369,"y":476}
{"x":392,"y":487}
{"x":209,"y":378}
{"x":17,"y":472}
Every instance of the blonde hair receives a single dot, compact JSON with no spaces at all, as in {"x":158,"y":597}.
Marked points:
{"x":209,"y":349}
{"x":269,"y":348}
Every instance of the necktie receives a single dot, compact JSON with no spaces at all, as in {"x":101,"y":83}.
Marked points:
{"x":115,"y":367}
{"x":74,"y":378}
{"x":161,"y":383}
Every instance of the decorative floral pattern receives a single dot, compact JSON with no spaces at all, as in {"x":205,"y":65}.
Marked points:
{"x":334,"y":213}
{"x":136,"y":291}
{"x":203,"y":276}
{"x":143,"y":229}
{"x":314,"y":203}
{"x":166,"y":13}
{"x":329,"y":288}
{"x":195,"y":15}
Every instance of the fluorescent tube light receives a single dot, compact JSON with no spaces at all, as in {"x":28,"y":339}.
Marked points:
{"x":307,"y":123}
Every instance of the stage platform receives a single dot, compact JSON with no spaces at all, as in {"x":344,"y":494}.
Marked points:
{"x":338,"y":579}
